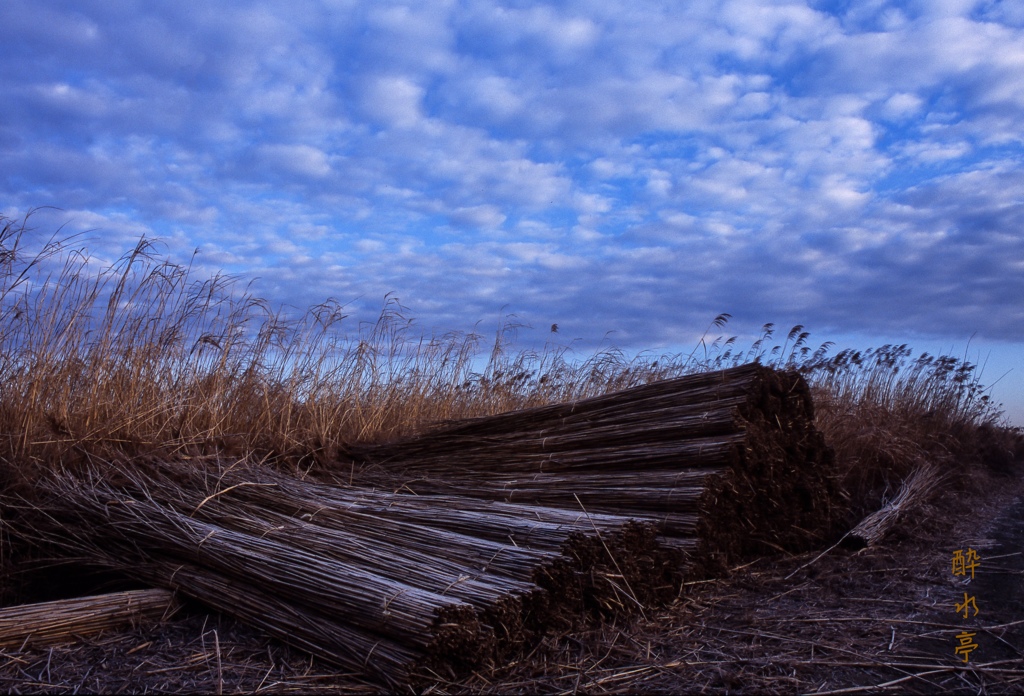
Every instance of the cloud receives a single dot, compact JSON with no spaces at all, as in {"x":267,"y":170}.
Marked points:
{"x":298,"y":160}
{"x":392,"y":100}
{"x":608,"y":167}
{"x":478,"y":216}
{"x":901,"y":105}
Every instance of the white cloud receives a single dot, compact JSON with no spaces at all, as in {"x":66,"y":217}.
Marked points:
{"x":843,"y":192}
{"x":394,"y":100}
{"x":410,"y":38}
{"x":902,"y":105}
{"x":619,"y":163}
{"x":929,"y":152}
{"x":494,"y":96}
{"x":786,"y":25}
{"x":659,"y":183}
{"x":606,"y":168}
{"x":477,"y":216}
{"x":590,"y":203}
{"x":301,"y":160}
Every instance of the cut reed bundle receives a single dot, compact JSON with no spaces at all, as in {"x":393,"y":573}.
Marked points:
{"x":476,"y":538}
{"x":288,"y":590}
{"x":528,"y":527}
{"x":331,"y":570}
{"x":730,"y":459}
{"x":914,"y":491}
{"x":48,"y":623}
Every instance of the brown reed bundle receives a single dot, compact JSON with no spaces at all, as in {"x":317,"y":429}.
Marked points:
{"x":914,"y":491}
{"x":331,"y":570}
{"x":239,"y":573}
{"x":524,"y":526}
{"x":414,"y":539}
{"x":63,"y":620}
{"x":503,"y":602}
{"x":729,"y":460}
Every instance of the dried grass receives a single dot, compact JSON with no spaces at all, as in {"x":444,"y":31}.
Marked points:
{"x":140,"y":355}
{"x":62,"y":620}
{"x":136,"y":359}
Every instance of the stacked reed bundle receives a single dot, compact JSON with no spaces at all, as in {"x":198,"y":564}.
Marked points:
{"x":346,"y":614}
{"x":373,"y":582}
{"x":521,"y":522}
{"x":47,"y":623}
{"x":729,"y":461}
{"x":570,"y":555}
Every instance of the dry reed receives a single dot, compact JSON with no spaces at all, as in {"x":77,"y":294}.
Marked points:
{"x":140,"y":355}
{"x":65,"y":620}
{"x":109,"y":365}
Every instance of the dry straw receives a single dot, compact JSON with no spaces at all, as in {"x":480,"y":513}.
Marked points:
{"x":107,"y":367}
{"x":142,"y":354}
{"x":67,"y":620}
{"x":369,"y":592}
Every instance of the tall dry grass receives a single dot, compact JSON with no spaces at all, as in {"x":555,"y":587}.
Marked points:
{"x":888,"y":412}
{"x":140,"y":355}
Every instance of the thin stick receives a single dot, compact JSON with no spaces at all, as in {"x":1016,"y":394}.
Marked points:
{"x":220,"y":671}
{"x":815,"y":559}
{"x":888,"y":684}
{"x":631,"y":595}
{"x":218,"y":493}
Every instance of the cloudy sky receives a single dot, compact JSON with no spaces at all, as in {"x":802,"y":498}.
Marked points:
{"x":633,"y":168}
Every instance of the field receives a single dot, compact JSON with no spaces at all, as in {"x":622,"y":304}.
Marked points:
{"x":103,"y":365}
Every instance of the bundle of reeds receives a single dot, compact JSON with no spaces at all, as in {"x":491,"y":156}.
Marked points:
{"x":47,"y":623}
{"x":531,"y":520}
{"x":344,"y":613}
{"x":914,"y":491}
{"x":730,"y":460}
{"x":366,"y":580}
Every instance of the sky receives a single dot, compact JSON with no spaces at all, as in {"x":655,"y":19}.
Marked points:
{"x":625,"y":170}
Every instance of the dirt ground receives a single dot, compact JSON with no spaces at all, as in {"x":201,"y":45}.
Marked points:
{"x":879,"y":619}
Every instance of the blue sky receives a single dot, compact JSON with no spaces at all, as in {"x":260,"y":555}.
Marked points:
{"x":633,"y":168}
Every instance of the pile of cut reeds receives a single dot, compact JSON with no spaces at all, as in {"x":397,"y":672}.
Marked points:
{"x":47,"y":623}
{"x":381,"y":583}
{"x":494,"y":530}
{"x":728,"y":461}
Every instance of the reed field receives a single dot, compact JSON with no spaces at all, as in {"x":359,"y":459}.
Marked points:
{"x":142,"y":356}
{"x":104,"y":365}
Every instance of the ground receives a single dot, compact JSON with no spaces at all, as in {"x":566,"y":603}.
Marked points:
{"x":834,"y":622}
